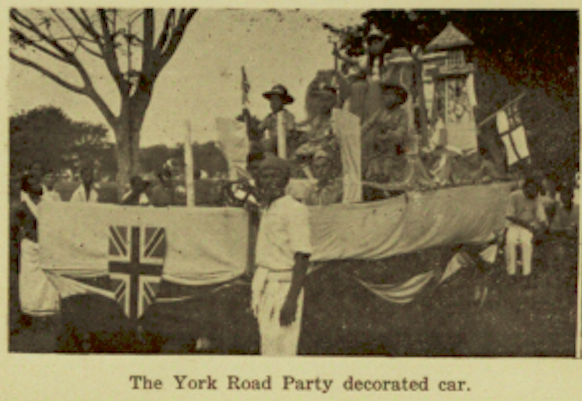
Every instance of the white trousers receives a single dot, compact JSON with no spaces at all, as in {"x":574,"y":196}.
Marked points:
{"x":518,"y":236}
{"x":270,"y":291}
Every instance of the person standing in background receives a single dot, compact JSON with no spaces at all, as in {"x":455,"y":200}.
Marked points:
{"x":48,"y":187}
{"x":86,"y":192}
{"x":136,"y":195}
{"x":160,"y":194}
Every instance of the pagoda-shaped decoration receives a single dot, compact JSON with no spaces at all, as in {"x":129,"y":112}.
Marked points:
{"x":451,"y":44}
{"x":453,"y":89}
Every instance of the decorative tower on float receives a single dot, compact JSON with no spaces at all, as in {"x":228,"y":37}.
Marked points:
{"x":449,"y":91}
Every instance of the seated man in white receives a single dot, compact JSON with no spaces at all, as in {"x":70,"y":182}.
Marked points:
{"x":526,"y":216}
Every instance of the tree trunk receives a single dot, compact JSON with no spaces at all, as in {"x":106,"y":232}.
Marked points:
{"x":127,"y":132}
{"x":127,"y":157}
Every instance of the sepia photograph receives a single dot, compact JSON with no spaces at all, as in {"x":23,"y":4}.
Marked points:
{"x":293,"y":182}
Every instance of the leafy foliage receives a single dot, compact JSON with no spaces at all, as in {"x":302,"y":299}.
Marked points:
{"x":46,"y":134}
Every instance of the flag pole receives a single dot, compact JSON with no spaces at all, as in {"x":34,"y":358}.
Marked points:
{"x":492,"y":116}
{"x":189,"y":167}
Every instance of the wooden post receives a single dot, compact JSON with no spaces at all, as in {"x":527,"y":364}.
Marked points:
{"x":281,"y":136}
{"x":189,"y":167}
{"x":421,"y":100}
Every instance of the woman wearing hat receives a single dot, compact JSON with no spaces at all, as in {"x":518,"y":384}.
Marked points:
{"x":279,"y":118}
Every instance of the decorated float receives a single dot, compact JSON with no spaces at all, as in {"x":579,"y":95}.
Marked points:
{"x":404,"y":142}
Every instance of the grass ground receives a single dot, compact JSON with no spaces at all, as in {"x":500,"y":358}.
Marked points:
{"x":535,"y":317}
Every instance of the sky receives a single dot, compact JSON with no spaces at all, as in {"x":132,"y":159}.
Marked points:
{"x":203,"y":79}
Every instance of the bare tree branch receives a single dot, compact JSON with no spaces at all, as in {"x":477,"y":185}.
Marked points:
{"x":26,"y":40}
{"x":75,"y":35}
{"x":25,"y":22}
{"x":177,"y":35}
{"x":102,"y":106}
{"x":87,"y":26}
{"x":47,"y":73}
{"x":148,"y":41}
{"x":110,"y":56}
{"x":168,"y":23}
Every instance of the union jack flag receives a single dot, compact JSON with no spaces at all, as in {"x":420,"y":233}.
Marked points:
{"x":136,"y":259}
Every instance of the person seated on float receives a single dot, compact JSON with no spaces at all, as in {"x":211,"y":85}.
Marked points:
{"x":390,"y":121}
{"x":278,"y":98}
{"x":322,"y":97}
{"x":328,"y":189}
{"x":526,"y":218}
{"x":384,"y":135}
{"x":136,"y":196}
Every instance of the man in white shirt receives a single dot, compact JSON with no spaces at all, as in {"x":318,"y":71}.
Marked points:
{"x":48,"y":188}
{"x":283,"y":250}
{"x":86,"y":191}
{"x":525,"y":217}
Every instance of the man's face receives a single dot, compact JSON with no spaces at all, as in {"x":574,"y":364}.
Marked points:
{"x":49,"y":180}
{"x":276,"y":103}
{"x":321,"y":168}
{"x":272,"y":182}
{"x":87,"y":176}
{"x":530,"y":190}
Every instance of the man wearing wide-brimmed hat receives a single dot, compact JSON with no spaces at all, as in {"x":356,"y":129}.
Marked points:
{"x":282,"y":257}
{"x":280,"y":119}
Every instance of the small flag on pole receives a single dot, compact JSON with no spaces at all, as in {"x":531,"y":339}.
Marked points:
{"x":512,"y":131}
{"x":246,"y":87}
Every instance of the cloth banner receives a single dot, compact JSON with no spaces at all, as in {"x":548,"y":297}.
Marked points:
{"x":203,"y":245}
{"x":512,"y":132}
{"x":408,"y":223}
{"x":234,"y":142}
{"x":38,"y":296}
{"x":401,"y":293}
{"x":347,"y":128}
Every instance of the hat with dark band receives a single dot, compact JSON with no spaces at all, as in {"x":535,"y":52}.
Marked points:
{"x":281,"y":91}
